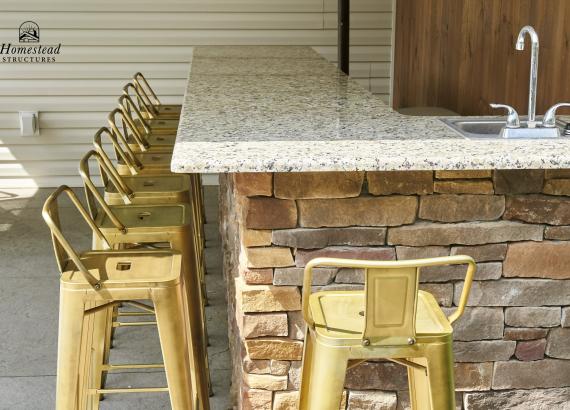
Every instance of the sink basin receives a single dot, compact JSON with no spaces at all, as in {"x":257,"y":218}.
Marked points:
{"x":491,"y":127}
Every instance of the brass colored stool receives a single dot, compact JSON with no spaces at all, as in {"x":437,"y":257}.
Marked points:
{"x":139,"y":189}
{"x":151,"y":226}
{"x":390,"y":319}
{"x":145,"y":125}
{"x":96,"y":280}
{"x":154,"y":108}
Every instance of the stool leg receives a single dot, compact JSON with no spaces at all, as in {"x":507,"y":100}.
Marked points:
{"x":171,"y":322}
{"x":103,"y":322}
{"x":324,"y":371}
{"x":71,"y":320}
{"x":440,"y":376}
{"x":419,"y":385}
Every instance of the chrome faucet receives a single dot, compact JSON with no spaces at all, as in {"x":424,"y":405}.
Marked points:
{"x":533,"y":71}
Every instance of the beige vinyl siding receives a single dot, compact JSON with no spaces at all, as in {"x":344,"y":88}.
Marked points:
{"x":105,"y":42}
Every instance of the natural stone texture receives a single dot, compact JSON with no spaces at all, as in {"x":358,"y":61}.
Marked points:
{"x":529,"y":350}
{"x":458,"y":208}
{"x":517,"y":292}
{"x":522,"y":333}
{"x":473,"y":376}
{"x":559,"y":344}
{"x":484,"y":351}
{"x":566,"y":317}
{"x":256,"y":400}
{"x":256,"y":366}
{"x":533,"y":316}
{"x":295,"y":375}
{"x":466,"y":233}
{"x":296,"y":325}
{"x":256,"y":237}
{"x":254,"y":183}
{"x":404,"y":401}
{"x":320,"y":238}
{"x":550,"y":260}
{"x":478,"y":324}
{"x":377,"y":376}
{"x":518,"y":181}
{"x":279,"y":367}
{"x":300,"y":185}
{"x":556,"y":173}
{"x":270,"y":213}
{"x":262,"y":324}
{"x":538,"y":209}
{"x":372,"y":400}
{"x":303,"y":256}
{"x":276,"y":349}
{"x":269,"y":257}
{"x":338,"y":286}
{"x":411,"y":252}
{"x":264,"y":298}
{"x":550,"y":399}
{"x":482,"y":253}
{"x":265,"y":381}
{"x":286,"y":400}
{"x":481,"y":187}
{"x":557,"y":187}
{"x":349,"y":275}
{"x":485,"y":271}
{"x":531,"y":375}
{"x":400,"y":182}
{"x":466,"y":174}
{"x":294,"y":276}
{"x":561,"y":233}
{"x":362,"y":211}
{"x":442,"y":292}
{"x":258,"y":276}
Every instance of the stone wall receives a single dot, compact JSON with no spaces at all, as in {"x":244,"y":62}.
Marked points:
{"x":512,"y":346}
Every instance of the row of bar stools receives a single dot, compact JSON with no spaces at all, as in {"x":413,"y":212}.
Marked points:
{"x":144,"y":207}
{"x":93,"y":281}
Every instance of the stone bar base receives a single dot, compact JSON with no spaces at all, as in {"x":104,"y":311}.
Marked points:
{"x":512,"y":346}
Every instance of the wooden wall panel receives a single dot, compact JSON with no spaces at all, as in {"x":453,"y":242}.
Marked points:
{"x":460,"y":54}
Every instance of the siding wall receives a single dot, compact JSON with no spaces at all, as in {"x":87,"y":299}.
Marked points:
{"x":105,"y":42}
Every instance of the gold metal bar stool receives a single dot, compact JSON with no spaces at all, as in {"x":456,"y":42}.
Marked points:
{"x":149,"y":225}
{"x":145,"y":124}
{"x":95,"y":280}
{"x":155,"y":109}
{"x":390,"y":319}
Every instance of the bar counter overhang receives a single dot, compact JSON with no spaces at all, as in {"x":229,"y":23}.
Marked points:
{"x":313,"y":165}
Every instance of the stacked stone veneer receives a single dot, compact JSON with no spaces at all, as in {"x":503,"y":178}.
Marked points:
{"x":512,"y":346}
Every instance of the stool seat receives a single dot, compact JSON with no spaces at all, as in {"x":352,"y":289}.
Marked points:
{"x":119,"y":269}
{"x":159,"y":125}
{"x":157,"y":142}
{"x":338,"y":318}
{"x":141,"y":216}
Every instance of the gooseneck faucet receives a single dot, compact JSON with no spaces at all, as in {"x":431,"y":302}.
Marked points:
{"x":533,"y":71}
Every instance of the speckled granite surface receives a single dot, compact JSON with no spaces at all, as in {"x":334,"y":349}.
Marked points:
{"x":285,"y":109}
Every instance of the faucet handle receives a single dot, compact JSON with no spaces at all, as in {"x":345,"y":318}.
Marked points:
{"x":549,"y":119}
{"x":512,"y":115}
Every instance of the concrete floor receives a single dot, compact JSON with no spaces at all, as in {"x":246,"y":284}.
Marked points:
{"x":29,"y":311}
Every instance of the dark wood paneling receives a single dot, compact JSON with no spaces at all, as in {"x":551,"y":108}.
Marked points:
{"x":459,"y":54}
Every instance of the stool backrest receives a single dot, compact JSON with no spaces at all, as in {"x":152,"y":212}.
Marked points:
{"x":391,"y":293}
{"x":64,"y":252}
{"x":128,"y":128}
{"x":142,"y":84}
{"x":144,"y":102}
{"x":128,"y":106}
{"x":121,"y":148}
{"x":93,"y":195}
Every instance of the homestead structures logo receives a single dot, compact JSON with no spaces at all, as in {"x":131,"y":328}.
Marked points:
{"x":29,"y":50}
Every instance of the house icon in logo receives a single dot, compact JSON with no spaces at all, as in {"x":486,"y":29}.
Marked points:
{"x":29,"y":32}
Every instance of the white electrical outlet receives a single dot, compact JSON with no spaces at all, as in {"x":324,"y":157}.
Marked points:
{"x":29,"y":123}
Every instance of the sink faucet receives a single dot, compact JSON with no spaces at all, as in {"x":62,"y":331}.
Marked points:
{"x":533,"y":70}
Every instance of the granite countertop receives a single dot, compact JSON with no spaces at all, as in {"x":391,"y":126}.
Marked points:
{"x":286,"y":109}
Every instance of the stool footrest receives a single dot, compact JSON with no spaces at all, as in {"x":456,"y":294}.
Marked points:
{"x":123,"y":324}
{"x":135,"y":314}
{"x":129,"y":390}
{"x":115,"y":367}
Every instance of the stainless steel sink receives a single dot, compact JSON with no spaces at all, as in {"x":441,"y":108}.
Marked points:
{"x":491,"y":127}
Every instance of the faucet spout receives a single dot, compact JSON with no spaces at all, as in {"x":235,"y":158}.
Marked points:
{"x":533,"y":70}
